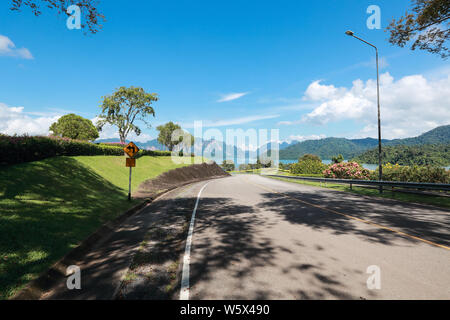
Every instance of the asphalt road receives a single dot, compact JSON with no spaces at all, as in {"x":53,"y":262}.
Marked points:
{"x":260,"y":238}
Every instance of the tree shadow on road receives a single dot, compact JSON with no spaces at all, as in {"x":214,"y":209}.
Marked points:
{"x":426,"y":222}
{"x":229,"y":235}
{"x":235,"y":226}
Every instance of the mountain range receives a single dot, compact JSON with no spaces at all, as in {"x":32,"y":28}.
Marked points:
{"x":150,"y":145}
{"x":324,"y":148}
{"x":349,"y":148}
{"x":214,"y":145}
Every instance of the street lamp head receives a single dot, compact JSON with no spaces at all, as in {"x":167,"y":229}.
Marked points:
{"x":349,"y":33}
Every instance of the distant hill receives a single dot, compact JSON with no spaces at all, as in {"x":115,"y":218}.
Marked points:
{"x":427,"y":154}
{"x":216,"y":147}
{"x":151,"y":144}
{"x":328,"y":147}
{"x":439,"y":135}
{"x":350,"y":148}
{"x":324,"y":148}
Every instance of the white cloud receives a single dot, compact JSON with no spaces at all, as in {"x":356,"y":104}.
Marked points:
{"x":8,"y":48}
{"x":317,"y":91}
{"x":289,"y":123}
{"x":13,"y":120}
{"x":382,"y":63}
{"x":409,"y":106}
{"x":232,"y":96}
{"x":143,"y":137}
{"x":300,"y":138}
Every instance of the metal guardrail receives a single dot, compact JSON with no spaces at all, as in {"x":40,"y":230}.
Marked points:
{"x":394,"y":184}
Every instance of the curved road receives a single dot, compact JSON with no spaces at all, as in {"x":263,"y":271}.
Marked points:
{"x":260,"y":238}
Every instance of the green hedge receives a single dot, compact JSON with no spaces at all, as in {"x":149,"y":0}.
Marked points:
{"x":18,"y":149}
{"x":155,"y":153}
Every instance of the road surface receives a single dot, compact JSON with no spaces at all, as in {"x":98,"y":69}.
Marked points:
{"x":260,"y":238}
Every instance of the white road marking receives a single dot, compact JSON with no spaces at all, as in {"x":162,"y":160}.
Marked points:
{"x":184,"y":291}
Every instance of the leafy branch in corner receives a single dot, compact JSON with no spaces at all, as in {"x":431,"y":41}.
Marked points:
{"x":89,"y":10}
{"x":427,"y":27}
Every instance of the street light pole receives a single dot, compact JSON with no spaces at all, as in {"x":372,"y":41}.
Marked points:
{"x":380,"y":168}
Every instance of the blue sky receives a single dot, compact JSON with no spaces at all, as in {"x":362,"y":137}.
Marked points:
{"x":287,"y":64}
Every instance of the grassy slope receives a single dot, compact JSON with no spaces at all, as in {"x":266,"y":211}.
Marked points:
{"x":47,"y":207}
{"x":113,"y":169}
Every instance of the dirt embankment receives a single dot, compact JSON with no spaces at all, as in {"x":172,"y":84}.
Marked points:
{"x":179,"y":177}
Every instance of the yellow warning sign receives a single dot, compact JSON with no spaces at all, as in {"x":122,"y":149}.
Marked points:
{"x":131,"y":149}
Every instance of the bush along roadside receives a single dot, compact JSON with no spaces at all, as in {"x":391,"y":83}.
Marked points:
{"x":347,"y":170}
{"x":308,"y":167}
{"x":425,"y":174}
{"x":355,"y":171}
{"x":19,"y":149}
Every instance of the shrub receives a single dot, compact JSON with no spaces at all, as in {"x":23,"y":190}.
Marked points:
{"x":426,"y":174}
{"x":308,"y":167}
{"x":347,"y":170}
{"x":18,"y":149}
{"x":228,"y":165}
{"x":156,"y":153}
{"x":113,"y":144}
{"x":74,"y":127}
{"x":311,"y":157}
{"x":263,"y":162}
{"x":243,"y":167}
{"x":285,"y":166}
{"x":337,"y":159}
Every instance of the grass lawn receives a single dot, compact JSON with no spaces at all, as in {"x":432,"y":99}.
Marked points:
{"x":113,"y":169}
{"x":48,"y":207}
{"x":407,"y":197}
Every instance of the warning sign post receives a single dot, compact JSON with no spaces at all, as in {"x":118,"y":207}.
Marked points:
{"x":131,"y":150}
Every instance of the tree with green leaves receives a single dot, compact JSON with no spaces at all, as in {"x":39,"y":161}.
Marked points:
{"x":171,"y":135}
{"x":427,"y":26}
{"x":309,"y":157}
{"x":337,"y":159}
{"x":74,"y":127}
{"x":228,"y":165}
{"x":124,"y":107}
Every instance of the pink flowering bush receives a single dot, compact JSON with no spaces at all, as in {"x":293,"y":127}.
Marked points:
{"x":346,"y":170}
